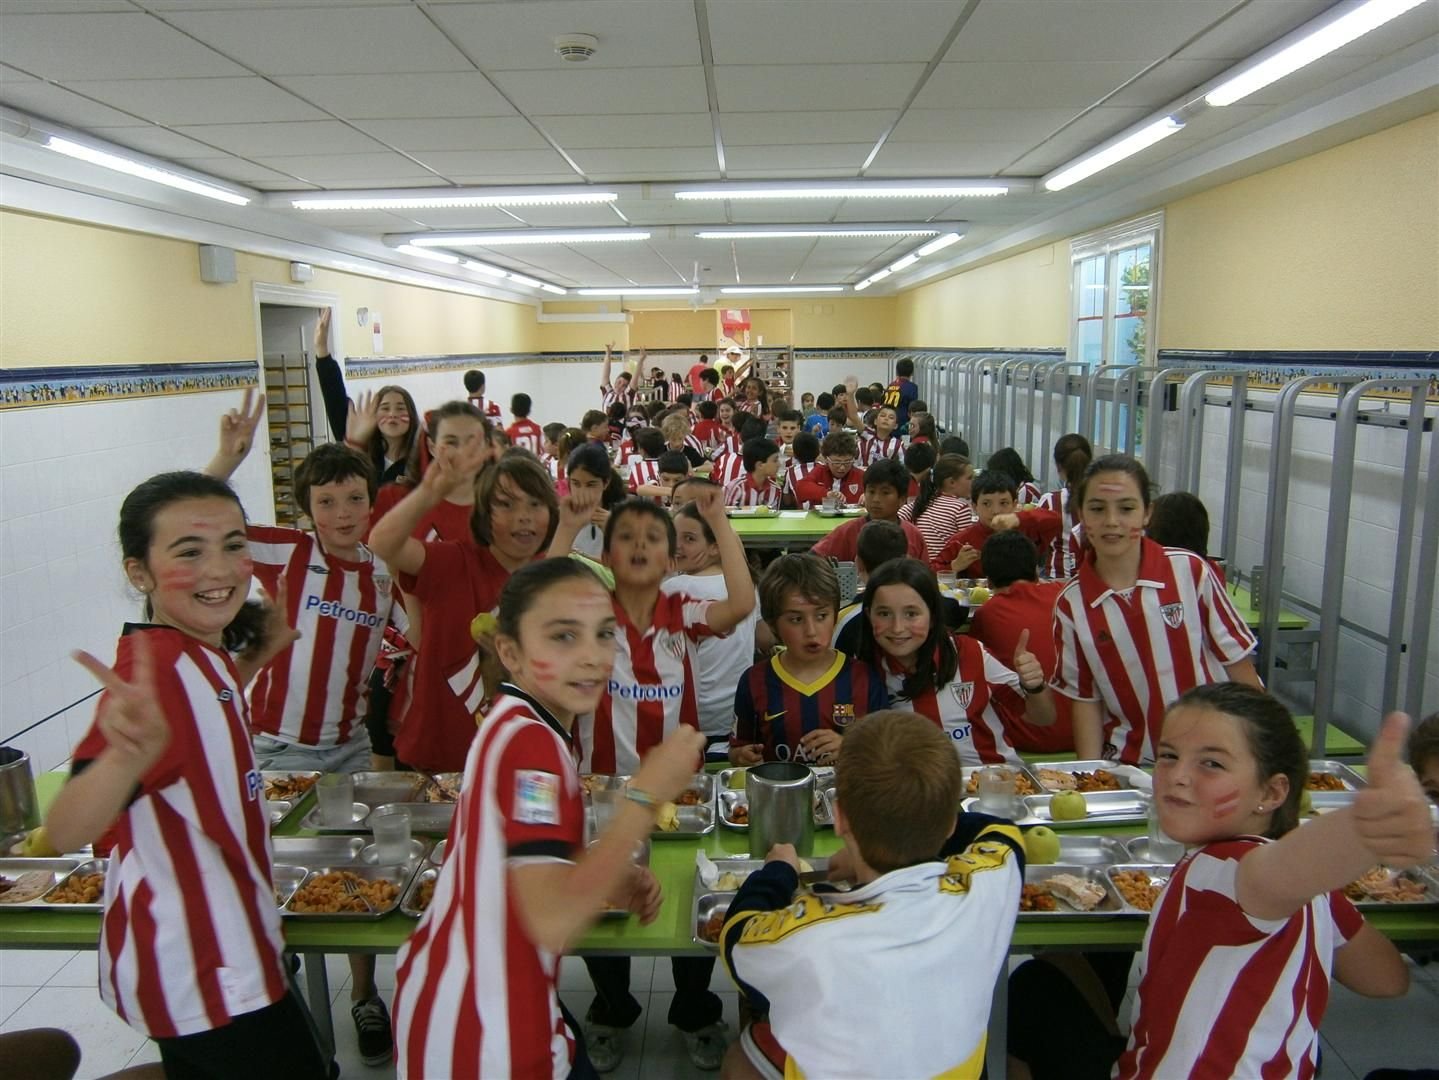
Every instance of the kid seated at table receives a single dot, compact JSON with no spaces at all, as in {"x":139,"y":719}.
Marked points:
{"x":795,"y":706}
{"x":760,"y":485}
{"x":996,"y":497}
{"x":1424,"y":755}
{"x":886,"y":486}
{"x":894,"y":977}
{"x":838,"y":473}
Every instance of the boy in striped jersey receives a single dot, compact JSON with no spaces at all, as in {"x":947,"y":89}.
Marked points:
{"x":796,"y":705}
{"x":760,"y":484}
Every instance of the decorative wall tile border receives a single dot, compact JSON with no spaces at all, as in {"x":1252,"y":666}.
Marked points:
{"x":27,"y":388}
{"x":1271,"y":369}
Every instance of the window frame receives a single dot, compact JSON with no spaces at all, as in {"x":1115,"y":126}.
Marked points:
{"x":1107,"y":243}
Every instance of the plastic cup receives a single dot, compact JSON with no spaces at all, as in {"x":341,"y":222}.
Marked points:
{"x":336,"y":795}
{"x":391,"y":828}
{"x":1162,"y":848}
{"x":998,"y":791}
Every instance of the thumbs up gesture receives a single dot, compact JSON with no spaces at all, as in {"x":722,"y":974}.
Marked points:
{"x":1027,"y":666}
{"x":1392,"y":815}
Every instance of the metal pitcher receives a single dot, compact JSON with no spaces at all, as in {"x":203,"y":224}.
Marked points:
{"x":19,"y":809}
{"x":781,"y":806}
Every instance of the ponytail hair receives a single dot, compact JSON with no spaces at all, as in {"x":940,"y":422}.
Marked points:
{"x":1072,"y":455}
{"x":948,"y":467}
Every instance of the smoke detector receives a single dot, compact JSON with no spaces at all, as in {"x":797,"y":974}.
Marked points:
{"x":576,"y":48}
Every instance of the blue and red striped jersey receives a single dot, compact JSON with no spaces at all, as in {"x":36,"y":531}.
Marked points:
{"x":776,"y":710}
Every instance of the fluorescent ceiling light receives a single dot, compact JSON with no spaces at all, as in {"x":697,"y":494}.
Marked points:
{"x":899,"y":264}
{"x":880,"y":275}
{"x":1313,"y":45}
{"x":553,"y":289}
{"x":433,"y":256}
{"x":899,"y":189}
{"x":1102,"y":159}
{"x":527,"y":236}
{"x":531,"y":282}
{"x":801,"y":233}
{"x":485,"y":268}
{"x":131,"y":167}
{"x":426,"y":200}
{"x":640,"y":290}
{"x":866,"y":283}
{"x":939,"y":243}
{"x":742,"y":290}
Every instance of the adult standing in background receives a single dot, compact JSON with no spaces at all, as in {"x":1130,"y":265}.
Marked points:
{"x":901,"y":392}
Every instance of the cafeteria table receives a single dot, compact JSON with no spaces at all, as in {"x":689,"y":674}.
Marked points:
{"x":673,"y":862}
{"x":786,"y":528}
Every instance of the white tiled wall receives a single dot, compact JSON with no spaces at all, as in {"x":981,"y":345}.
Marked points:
{"x":64,"y":470}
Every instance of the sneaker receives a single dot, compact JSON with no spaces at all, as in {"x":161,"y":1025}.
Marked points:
{"x":605,"y":1046}
{"x":707,"y":1046}
{"x":372,"y":1025}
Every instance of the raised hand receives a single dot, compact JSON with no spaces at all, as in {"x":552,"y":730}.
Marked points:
{"x":1391,"y":815}
{"x":1004,"y":522}
{"x":1027,"y":665}
{"x":455,"y":466}
{"x":131,"y":719}
{"x":709,"y":501}
{"x":362,"y":419}
{"x":668,"y":768}
{"x":966,"y":558}
{"x":578,"y":509}
{"x":237,"y":430}
{"x":322,"y":333}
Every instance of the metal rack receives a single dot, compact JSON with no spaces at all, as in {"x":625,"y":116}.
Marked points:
{"x":775,"y":368}
{"x":291,"y":430}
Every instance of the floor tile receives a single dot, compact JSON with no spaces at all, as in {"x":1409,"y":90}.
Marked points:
{"x":147,"y":1054}
{"x":1369,"y":1033}
{"x":1332,"y":1065}
{"x":665,"y":1054}
{"x":347,"y":1046}
{"x":12,"y":997}
{"x":575,"y":976}
{"x":578,"y":1003}
{"x":106,"y":1042}
{"x":32,"y":967}
{"x":82,"y":970}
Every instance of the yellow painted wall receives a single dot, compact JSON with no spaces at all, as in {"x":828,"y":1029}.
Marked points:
{"x":1018,"y":302}
{"x":844,"y":322}
{"x":72,"y":293}
{"x":774,"y":325}
{"x":1339,"y":250}
{"x":678,"y":328}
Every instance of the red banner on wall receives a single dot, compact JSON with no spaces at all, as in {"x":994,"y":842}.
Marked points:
{"x":733,"y":320}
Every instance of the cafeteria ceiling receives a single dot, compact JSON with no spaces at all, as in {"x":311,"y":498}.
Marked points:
{"x":311,"y":96}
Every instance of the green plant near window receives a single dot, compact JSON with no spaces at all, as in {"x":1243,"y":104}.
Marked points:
{"x":1137,"y":303}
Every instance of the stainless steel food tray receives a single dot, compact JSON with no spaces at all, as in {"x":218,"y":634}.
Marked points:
{"x":89,"y":866}
{"x":376,"y":788}
{"x":971,"y":777}
{"x":1129,"y":776}
{"x":705,"y":905}
{"x":359,"y":812}
{"x":1351,"y":780}
{"x":399,"y":875}
{"x":1158,"y":875}
{"x":333,"y":850}
{"x":433,"y":819}
{"x":1431,"y":895}
{"x":268,"y":776}
{"x":57,"y":868}
{"x":286,"y":880}
{"x":1107,"y":806}
{"x":370,"y":855}
{"x":410,"y":899}
{"x":1110,"y":907}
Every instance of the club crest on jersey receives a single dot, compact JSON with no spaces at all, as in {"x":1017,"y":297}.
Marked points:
{"x":1173,"y":615}
{"x":537,"y":797}
{"x":963,"y":693}
{"x":254,"y":784}
{"x":676,"y":647}
{"x":842,"y":715}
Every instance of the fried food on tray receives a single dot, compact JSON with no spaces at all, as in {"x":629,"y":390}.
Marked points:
{"x":325,"y":894}
{"x":1136,"y":888}
{"x":709,"y":930}
{"x":1023,"y":785}
{"x":288,"y":788}
{"x":739,"y":813}
{"x":1387,"y":887}
{"x":442,"y":789}
{"x":79,"y":889}
{"x":1035,"y":898}
{"x":692,"y":797}
{"x":1098,"y":780}
{"x":1323,"y":781}
{"x":425,"y":894}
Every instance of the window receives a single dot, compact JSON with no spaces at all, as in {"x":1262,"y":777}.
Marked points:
{"x":1115,"y":296}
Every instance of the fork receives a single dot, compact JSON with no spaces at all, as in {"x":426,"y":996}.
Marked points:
{"x":348,"y":884}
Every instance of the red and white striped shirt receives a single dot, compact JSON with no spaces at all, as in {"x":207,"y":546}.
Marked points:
{"x":727,"y":469}
{"x":610,"y":396}
{"x":1062,"y":556}
{"x":872,"y":448}
{"x":1028,"y":493}
{"x":942,"y":518}
{"x":1137,"y":652}
{"x":651,"y":689}
{"x":744,"y":492}
{"x":730,"y":444}
{"x":314,"y":693}
{"x":973,"y":708}
{"x":1222,"y":993}
{"x":190,"y":937}
{"x":797,"y":471}
{"x":754,"y":408}
{"x":643,"y":471}
{"x":474,"y":996}
{"x":527,"y":434}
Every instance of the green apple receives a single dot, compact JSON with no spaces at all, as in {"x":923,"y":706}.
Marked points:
{"x":736,"y":780}
{"x":1068,"y":806}
{"x":1306,"y":804}
{"x":978,"y":595}
{"x":1041,"y":845}
{"x":762,"y":511}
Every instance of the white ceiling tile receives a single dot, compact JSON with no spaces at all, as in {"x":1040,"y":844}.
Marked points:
{"x":363,"y":182}
{"x":986,"y":85}
{"x":106,"y":46}
{"x":382,"y":96}
{"x":365,"y":169}
{"x":1252,"y":27}
{"x":801,"y":211}
{"x":816,"y":87}
{"x":1041,"y":30}
{"x":248,"y":5}
{"x":309,"y":41}
{"x":631,"y":33}
{"x":494,"y":162}
{"x":304,"y":137}
{"x":838,"y":31}
{"x":659,"y":213}
{"x":546,"y":217}
{"x":201,"y":101}
{"x":788,"y":174}
{"x":14,"y":75}
{"x":283,"y":185}
{"x":233,"y":168}
{"x":155,"y":140}
{"x":605,"y":91}
{"x":618,"y":177}
{"x":657,"y":163}
{"x":982,"y":125}
{"x":942,"y":159}
{"x":799,"y":156}
{"x":56,"y":103}
{"x":1173,"y":80}
{"x":646,"y":130}
{"x":460,"y":217}
{"x":71,"y":7}
{"x":469,"y":178}
{"x":469,"y":133}
{"x":791,"y":128}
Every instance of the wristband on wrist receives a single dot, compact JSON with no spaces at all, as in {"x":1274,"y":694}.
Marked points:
{"x":643,"y":798}
{"x":1032,"y":690}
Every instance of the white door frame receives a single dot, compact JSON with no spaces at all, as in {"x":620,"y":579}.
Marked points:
{"x":267,"y":292}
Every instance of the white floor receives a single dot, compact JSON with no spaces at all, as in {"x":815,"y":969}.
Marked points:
{"x":49,"y":989}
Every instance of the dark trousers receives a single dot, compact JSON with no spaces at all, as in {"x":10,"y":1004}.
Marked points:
{"x":274,"y":1042}
{"x":693,"y":1007}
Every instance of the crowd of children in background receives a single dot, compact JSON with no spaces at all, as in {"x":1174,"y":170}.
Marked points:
{"x":622,"y":629}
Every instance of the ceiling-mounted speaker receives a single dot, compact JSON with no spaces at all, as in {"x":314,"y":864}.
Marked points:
{"x":576,"y":48}
{"x":217,"y":264}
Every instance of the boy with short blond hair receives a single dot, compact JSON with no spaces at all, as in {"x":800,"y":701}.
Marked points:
{"x":863,"y":983}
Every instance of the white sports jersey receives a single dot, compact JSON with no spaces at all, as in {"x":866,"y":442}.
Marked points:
{"x":1223,"y":994}
{"x":315,"y":692}
{"x":190,"y":936}
{"x":721,"y":661}
{"x":727,"y":469}
{"x":1061,"y":558}
{"x":474,"y":996}
{"x":652,"y":686}
{"x":872,"y":448}
{"x":893,"y":978}
{"x":1137,"y":652}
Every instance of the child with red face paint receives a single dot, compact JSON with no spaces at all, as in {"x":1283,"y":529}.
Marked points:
{"x":1139,"y":624}
{"x":166,"y":784}
{"x":1254,"y":922}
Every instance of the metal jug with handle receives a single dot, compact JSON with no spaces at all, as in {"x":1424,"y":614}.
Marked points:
{"x":19,"y":808}
{"x":781,"y":807}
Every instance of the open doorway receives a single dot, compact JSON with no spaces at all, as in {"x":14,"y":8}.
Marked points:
{"x":295,"y":413}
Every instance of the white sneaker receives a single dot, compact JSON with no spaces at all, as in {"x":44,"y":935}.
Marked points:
{"x":707,"y":1046}
{"x":605,"y":1046}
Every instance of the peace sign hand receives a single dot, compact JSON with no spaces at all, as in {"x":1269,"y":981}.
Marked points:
{"x":1391,"y":815}
{"x":237,"y":427}
{"x":1027,"y":666}
{"x":131,"y":718}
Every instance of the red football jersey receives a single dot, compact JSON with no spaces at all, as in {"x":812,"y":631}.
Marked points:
{"x":997,"y":623}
